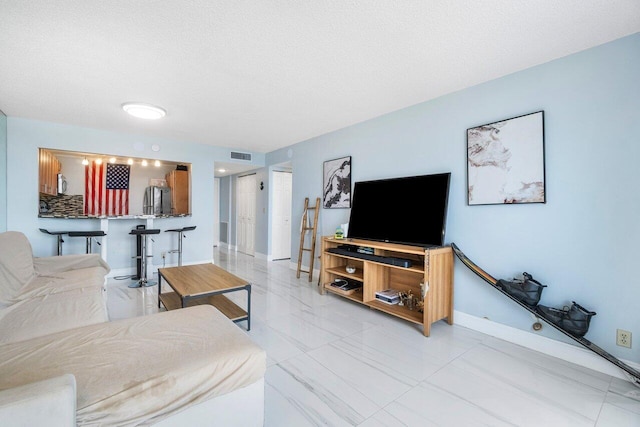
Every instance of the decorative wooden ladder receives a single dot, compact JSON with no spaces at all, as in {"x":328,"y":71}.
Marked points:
{"x":303,"y":230}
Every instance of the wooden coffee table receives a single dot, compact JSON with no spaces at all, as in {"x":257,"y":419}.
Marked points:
{"x":203,"y":284}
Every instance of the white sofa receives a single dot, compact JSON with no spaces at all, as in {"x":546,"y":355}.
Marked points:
{"x":60,"y":355}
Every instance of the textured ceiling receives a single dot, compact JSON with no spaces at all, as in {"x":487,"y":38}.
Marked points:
{"x":261,"y":75}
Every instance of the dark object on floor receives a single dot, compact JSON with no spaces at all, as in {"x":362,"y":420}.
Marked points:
{"x":527,"y":290}
{"x":574,"y":319}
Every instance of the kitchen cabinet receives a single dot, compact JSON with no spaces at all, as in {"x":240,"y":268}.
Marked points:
{"x":49,"y":167}
{"x":178,"y":182}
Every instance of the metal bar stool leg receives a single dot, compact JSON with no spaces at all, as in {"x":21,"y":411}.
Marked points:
{"x":143,"y":233}
{"x":181,"y":236}
{"x":143,"y":268}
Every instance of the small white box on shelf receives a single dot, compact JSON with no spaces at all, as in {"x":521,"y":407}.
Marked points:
{"x":388,"y":296}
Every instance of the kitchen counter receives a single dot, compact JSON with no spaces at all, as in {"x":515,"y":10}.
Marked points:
{"x":104,"y":226}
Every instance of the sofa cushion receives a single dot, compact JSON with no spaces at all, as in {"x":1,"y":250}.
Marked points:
{"x":62,"y":282}
{"x":143,"y":369}
{"x":52,"y":313}
{"x":16,"y":265}
{"x":54,"y":265}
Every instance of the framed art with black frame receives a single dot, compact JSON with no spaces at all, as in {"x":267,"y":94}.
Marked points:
{"x":505,"y":161}
{"x":336,"y":190}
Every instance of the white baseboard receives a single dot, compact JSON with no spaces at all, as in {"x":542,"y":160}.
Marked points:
{"x":258,"y":255}
{"x":568,"y":352}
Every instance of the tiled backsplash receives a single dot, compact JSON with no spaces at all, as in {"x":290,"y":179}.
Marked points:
{"x":64,"y":204}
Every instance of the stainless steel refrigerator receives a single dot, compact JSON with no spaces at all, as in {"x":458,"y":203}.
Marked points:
{"x":157,"y":201}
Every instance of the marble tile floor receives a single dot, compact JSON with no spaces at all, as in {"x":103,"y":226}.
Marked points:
{"x":332,"y":362}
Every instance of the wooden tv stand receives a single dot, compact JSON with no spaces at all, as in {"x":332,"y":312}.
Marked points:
{"x":432,"y":266}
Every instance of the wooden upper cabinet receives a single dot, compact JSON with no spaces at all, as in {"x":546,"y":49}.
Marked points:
{"x":48,"y":168}
{"x":178,"y":182}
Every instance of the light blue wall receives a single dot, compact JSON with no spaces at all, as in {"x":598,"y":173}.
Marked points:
{"x":26,"y":136}
{"x":583,"y":243}
{"x":3,"y":172}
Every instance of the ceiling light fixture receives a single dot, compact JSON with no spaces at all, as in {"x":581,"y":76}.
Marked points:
{"x":112,"y":160}
{"x":98,"y":161}
{"x":144,"y":111}
{"x":143,"y":163}
{"x":85,"y":161}
{"x":130,"y":161}
{"x":157,"y":163}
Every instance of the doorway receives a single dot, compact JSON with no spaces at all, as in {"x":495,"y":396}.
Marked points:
{"x":216,"y":212}
{"x":246,"y":201}
{"x":281,"y":215}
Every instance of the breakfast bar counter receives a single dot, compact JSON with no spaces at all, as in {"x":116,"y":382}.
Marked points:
{"x":105,"y":221}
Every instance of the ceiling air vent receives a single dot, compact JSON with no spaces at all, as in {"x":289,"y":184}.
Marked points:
{"x":240,"y":156}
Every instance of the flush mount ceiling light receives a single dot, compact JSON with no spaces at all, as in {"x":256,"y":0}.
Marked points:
{"x":144,"y":111}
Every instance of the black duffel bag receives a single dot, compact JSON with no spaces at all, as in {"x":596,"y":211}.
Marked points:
{"x":528,"y":290}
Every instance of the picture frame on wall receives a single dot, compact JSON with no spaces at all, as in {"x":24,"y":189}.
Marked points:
{"x":336,"y":183}
{"x":505,"y":161}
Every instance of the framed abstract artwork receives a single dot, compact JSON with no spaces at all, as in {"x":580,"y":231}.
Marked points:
{"x":505,"y":161}
{"x":336,"y":191}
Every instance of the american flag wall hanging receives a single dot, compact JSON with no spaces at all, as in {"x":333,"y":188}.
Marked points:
{"x":106,"y":189}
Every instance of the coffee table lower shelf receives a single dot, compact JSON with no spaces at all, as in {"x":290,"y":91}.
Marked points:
{"x":171,"y":301}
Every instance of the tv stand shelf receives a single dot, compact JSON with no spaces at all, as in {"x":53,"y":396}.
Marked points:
{"x":432,"y":266}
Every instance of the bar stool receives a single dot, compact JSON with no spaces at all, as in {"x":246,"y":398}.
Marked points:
{"x":89,"y":235}
{"x":181,"y":235}
{"x":143,"y":233}
{"x":58,"y":234}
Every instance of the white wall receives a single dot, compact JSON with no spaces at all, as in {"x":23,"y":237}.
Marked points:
{"x":583,"y":243}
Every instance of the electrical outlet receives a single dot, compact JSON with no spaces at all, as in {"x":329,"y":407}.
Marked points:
{"x":623,"y":338}
{"x":164,"y":255}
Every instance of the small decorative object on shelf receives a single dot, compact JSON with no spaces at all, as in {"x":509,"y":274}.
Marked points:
{"x":339,"y":233}
{"x":424,"y":287}
{"x":350,"y":269}
{"x":408,"y":300}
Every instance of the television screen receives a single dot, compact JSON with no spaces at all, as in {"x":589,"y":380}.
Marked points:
{"x":409,"y":210}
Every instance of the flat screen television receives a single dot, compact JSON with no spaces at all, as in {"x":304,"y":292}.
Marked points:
{"x":408,"y":210}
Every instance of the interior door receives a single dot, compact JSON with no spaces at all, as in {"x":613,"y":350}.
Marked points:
{"x":246,"y":199}
{"x":216,"y":212}
{"x":281,"y":215}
